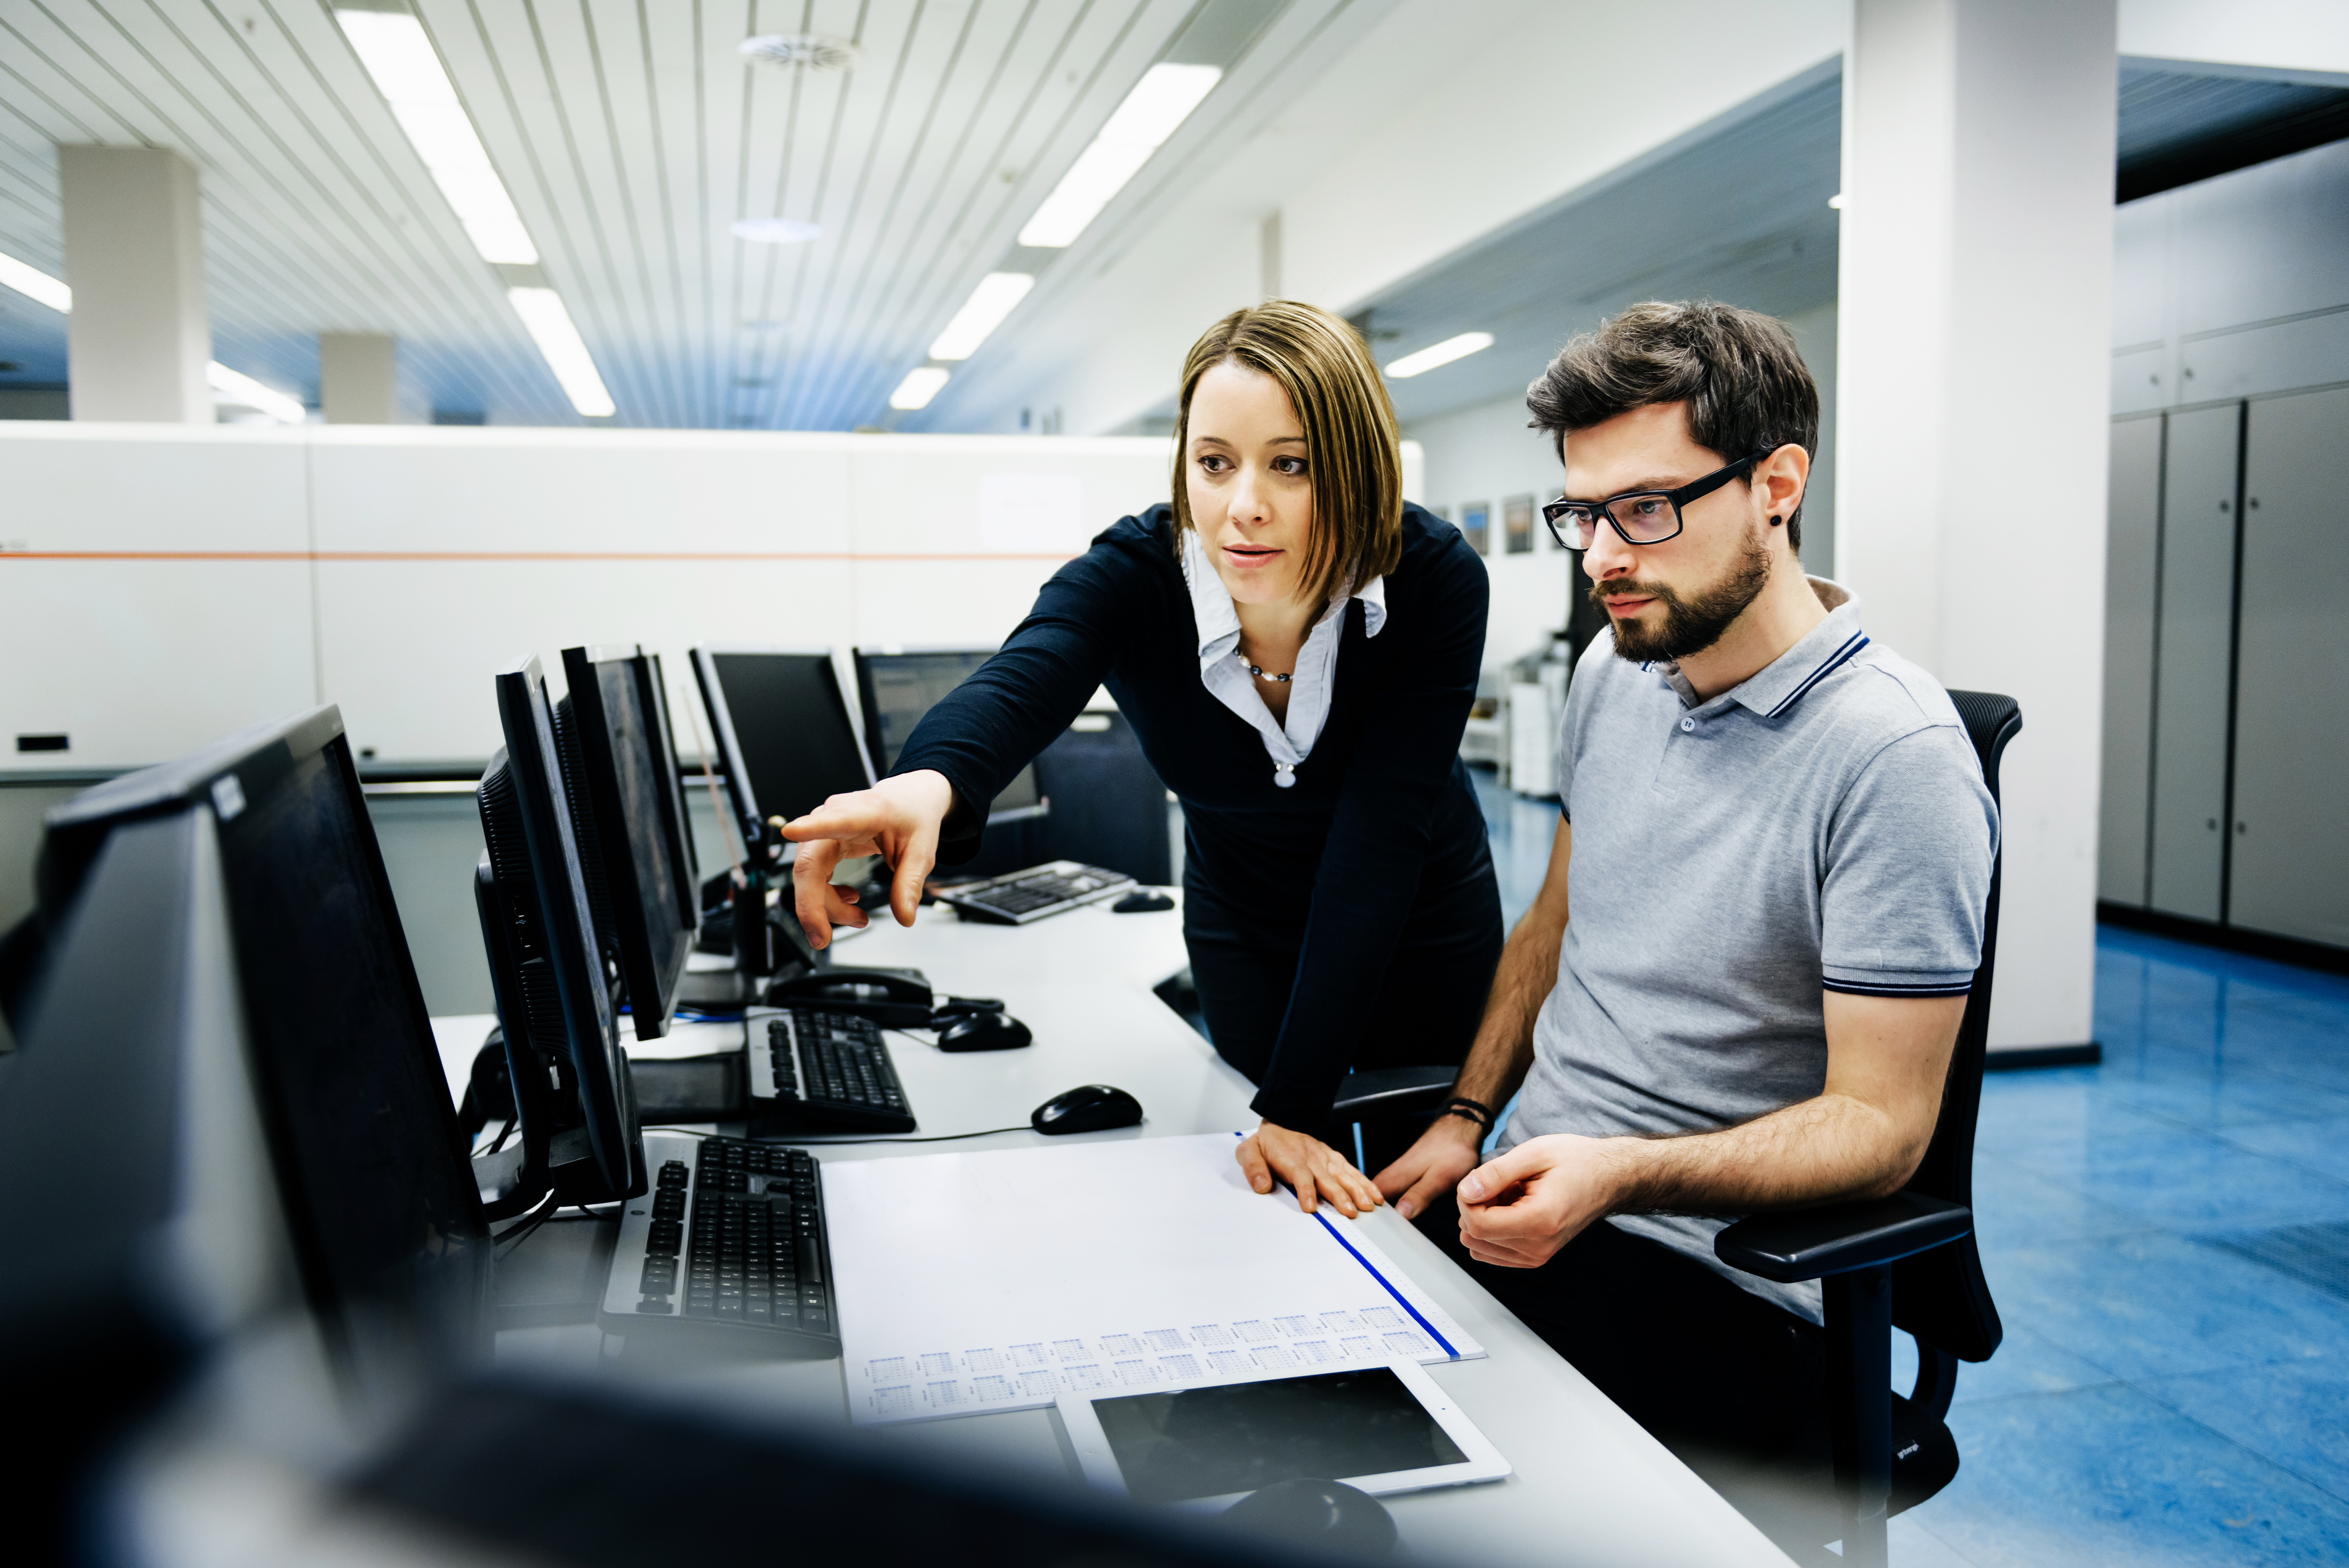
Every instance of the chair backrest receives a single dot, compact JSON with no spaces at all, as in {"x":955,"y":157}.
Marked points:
{"x":1940,"y":1296}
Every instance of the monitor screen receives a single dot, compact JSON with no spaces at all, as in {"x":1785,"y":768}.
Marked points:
{"x":897,"y":688}
{"x":628,"y":816}
{"x":553,"y":990}
{"x":782,"y":727}
{"x":376,"y":1198}
{"x":369,"y":1157}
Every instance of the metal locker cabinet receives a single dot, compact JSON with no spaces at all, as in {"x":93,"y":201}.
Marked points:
{"x":2290,"y":869}
{"x":2190,"y":709}
{"x":2131,"y":552}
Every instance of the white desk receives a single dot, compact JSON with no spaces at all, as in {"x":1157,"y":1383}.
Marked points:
{"x":1590,"y":1486}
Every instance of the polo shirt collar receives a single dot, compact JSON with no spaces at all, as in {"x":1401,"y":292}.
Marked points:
{"x":1219,"y":619}
{"x":1786,"y":679}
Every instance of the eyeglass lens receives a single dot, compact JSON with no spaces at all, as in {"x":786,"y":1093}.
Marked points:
{"x":1644,"y":519}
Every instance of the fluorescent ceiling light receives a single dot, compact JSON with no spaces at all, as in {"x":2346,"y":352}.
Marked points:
{"x":1442,"y":353}
{"x":996,"y":294}
{"x":776,"y":231}
{"x":1163,"y":99}
{"x":233,"y":387}
{"x":920,"y":385}
{"x":35,"y":285}
{"x":391,"y":44}
{"x":542,"y":311}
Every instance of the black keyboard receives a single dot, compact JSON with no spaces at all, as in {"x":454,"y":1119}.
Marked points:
{"x":1030,"y":895}
{"x":730,"y":1236}
{"x":816,"y":1070}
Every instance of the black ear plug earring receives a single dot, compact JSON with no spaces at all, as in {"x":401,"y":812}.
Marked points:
{"x":1775,"y":522}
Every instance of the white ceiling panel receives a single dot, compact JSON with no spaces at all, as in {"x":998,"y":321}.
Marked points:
{"x":631,"y":134}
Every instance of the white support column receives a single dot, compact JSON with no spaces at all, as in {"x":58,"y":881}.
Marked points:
{"x":358,"y":378}
{"x":1973,"y":401}
{"x":139,"y":336}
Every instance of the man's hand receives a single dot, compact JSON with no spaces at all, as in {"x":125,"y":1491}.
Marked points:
{"x":1520,"y":1208}
{"x":1431,"y":1166}
{"x":1311,"y":1167}
{"x":897,"y":819}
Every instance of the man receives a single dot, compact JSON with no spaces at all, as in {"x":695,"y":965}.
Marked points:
{"x":1779,"y":846}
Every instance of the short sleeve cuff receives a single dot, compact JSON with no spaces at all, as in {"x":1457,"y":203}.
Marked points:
{"x":1898,"y":982}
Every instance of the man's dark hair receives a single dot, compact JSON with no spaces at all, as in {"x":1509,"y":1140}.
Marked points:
{"x":1746,"y":385}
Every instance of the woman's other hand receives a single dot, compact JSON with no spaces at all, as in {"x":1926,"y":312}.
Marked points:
{"x":1311,"y":1167}
{"x":897,"y":819}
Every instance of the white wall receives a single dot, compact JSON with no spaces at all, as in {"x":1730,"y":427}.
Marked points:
{"x":1486,"y":454}
{"x":2271,"y":34}
{"x":167,"y":585}
{"x":1441,"y":125}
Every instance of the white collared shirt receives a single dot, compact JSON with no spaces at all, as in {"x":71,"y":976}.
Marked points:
{"x":1225,"y":674}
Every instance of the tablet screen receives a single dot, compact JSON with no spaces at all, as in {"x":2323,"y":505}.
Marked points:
{"x":1206,"y":1442}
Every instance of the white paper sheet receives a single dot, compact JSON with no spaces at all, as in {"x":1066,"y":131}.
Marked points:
{"x":980,"y":1281}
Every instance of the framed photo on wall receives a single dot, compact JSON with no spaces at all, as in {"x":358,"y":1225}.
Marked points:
{"x":1518,"y":516}
{"x":1475,"y":516}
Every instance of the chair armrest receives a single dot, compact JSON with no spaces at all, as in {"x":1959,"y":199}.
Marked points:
{"x":1795,"y":1245}
{"x":1391,"y":1092}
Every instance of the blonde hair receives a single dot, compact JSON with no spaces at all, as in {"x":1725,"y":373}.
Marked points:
{"x":1353,"y":450}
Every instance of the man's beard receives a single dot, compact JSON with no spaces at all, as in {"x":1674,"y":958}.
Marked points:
{"x":1691,"y":625}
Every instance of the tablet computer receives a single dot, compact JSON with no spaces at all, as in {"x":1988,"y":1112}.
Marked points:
{"x":1383,"y":1428}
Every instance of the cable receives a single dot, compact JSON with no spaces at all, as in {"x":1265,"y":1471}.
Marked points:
{"x":520,"y":1229}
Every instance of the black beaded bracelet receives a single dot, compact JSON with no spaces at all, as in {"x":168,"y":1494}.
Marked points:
{"x":1473,"y":1110}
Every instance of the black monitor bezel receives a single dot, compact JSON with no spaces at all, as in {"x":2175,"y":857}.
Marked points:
{"x":651,"y":979}
{"x":591,"y":1030}
{"x":869,"y":707}
{"x":225,"y":780}
{"x":721,"y":720}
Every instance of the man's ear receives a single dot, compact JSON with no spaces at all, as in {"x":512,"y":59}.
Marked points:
{"x":1785,"y":477}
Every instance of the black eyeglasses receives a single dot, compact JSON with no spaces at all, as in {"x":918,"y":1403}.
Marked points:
{"x":1640,"y":516}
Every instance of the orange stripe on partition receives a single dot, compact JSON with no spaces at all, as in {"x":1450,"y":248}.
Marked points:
{"x":634,"y":556}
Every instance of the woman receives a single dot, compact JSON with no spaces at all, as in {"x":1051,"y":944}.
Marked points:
{"x":1297,"y":650}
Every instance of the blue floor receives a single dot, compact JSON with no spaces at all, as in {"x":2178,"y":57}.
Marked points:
{"x":2168,"y":1238}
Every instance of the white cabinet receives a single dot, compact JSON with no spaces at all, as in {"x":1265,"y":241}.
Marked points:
{"x":2132,"y":554}
{"x":2291,"y":856}
{"x":2194,"y":623}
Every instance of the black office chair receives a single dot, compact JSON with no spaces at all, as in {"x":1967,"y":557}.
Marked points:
{"x":1384,"y":1110}
{"x":1907,"y":1261}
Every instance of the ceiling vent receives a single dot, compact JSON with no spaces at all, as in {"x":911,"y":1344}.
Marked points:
{"x":802,"y":51}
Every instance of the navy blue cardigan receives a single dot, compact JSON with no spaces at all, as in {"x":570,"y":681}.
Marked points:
{"x":1328,"y":868}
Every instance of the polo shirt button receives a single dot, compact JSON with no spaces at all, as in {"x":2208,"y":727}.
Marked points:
{"x":1688,"y":724}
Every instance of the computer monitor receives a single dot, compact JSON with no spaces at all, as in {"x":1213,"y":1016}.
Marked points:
{"x":782,"y":729}
{"x":569,"y":1075}
{"x":896,"y":686}
{"x":227,"y":1079}
{"x":627,"y":813}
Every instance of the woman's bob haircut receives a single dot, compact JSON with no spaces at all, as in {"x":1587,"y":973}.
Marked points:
{"x":1353,"y":452}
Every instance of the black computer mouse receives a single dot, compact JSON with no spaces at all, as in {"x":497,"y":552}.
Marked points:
{"x":1324,"y":1514}
{"x":1142,"y":903}
{"x":1087,"y":1107}
{"x":985,"y":1032}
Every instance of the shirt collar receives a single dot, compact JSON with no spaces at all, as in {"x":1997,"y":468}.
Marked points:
{"x":1219,"y":619}
{"x":1786,"y":679}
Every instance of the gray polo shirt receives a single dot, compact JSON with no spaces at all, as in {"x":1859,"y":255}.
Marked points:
{"x":1821,"y":826}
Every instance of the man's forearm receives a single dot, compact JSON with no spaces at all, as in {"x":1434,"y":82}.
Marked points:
{"x":1819,"y":1151}
{"x":1503,"y":1050}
